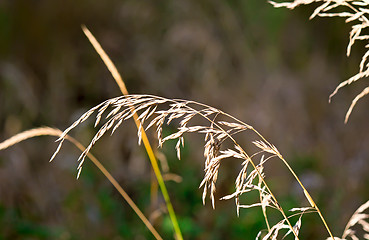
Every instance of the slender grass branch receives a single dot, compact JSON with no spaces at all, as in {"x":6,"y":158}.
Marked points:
{"x":119,"y":80}
{"x":47,"y":131}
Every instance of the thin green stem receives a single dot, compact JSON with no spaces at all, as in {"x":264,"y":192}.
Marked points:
{"x":119,"y":80}
{"x":118,"y":187}
{"x":234,"y":141}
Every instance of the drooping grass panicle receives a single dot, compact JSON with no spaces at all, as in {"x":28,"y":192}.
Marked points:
{"x":156,"y":112}
{"x":356,"y":12}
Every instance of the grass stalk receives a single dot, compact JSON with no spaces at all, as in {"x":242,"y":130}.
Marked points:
{"x":307,"y":195}
{"x":47,"y":131}
{"x":119,"y":80}
{"x":309,"y":198}
{"x":279,"y":207}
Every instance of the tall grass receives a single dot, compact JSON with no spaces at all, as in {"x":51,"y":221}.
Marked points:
{"x":220,"y":132}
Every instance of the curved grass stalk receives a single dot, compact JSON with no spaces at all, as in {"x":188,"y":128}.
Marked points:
{"x":261,"y":178}
{"x":47,"y":131}
{"x":154,"y":163}
{"x":147,"y":145}
{"x":146,"y":107}
{"x":307,"y":195}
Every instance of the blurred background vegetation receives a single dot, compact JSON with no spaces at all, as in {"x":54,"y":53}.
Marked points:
{"x":271,"y":68}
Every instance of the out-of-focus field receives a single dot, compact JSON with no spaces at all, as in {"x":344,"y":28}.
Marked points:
{"x":272,"y":68}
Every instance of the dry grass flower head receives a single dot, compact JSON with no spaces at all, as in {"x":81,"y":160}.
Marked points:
{"x":219,"y":130}
{"x":356,"y":12}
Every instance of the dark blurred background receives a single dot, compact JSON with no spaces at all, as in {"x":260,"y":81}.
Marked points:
{"x":272,"y":68}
